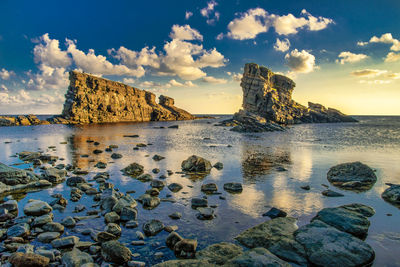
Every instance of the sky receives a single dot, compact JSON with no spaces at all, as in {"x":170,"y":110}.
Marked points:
{"x":342,"y":54}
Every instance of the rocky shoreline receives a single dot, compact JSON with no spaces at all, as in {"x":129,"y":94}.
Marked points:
{"x":334,"y":236}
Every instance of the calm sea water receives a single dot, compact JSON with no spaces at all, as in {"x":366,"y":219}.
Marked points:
{"x":307,"y":151}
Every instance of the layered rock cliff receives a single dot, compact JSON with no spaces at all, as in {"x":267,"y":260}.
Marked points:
{"x":91,"y":99}
{"x":269,"y":95}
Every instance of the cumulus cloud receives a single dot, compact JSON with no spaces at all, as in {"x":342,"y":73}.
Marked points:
{"x":220,"y":36}
{"x":386,"y":38}
{"x":237,"y":77}
{"x":348,"y":57}
{"x":257,"y":20}
{"x":133,"y":59}
{"x":185,"y":33}
{"x":392,"y":57}
{"x":3,"y":88}
{"x":300,"y":61}
{"x":130,"y":81}
{"x":23,"y":100}
{"x":188,"y":14}
{"x":210,"y":13}
{"x":5,"y":74}
{"x":98,"y":64}
{"x":211,"y":79}
{"x":283,"y":45}
{"x":48,"y":78}
{"x":162,"y":87}
{"x":375,"y":76}
{"x":48,"y":52}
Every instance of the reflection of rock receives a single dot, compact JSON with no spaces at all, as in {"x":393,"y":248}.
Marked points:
{"x":262,"y":163}
{"x":392,"y":194}
{"x":352,"y":176}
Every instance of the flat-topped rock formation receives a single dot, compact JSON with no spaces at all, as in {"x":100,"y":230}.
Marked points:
{"x":269,"y":95}
{"x":92,"y":99}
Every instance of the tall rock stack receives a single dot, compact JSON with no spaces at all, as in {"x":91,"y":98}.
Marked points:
{"x":91,"y":99}
{"x":269,"y":95}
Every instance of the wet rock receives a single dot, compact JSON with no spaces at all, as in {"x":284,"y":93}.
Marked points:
{"x":115,"y":252}
{"x":53,"y":227}
{"x":170,"y":228}
{"x":68,"y":222}
{"x":125,"y":201}
{"x":175,"y":187}
{"x":149,"y":202}
{"x":38,"y":221}
{"x":131,"y":224}
{"x":116,"y":156}
{"x":111,"y":217}
{"x":219,"y":165}
{"x":108,"y":202}
{"x":10,"y":205}
{"x":276,"y":235}
{"x":209,"y":188}
{"x":257,"y":257}
{"x":133,"y":170}
{"x":233,"y":187}
{"x":101,"y":165}
{"x":352,"y":176}
{"x":185,"y":249}
{"x":46,"y":253}
{"x":76,"y":258}
{"x":172,"y":239}
{"x":327,"y":246}
{"x":47,"y":237}
{"x":275,"y":213}
{"x":113,"y":228}
{"x":79,"y":208}
{"x":128,"y":214}
{"x":105,"y":236}
{"x":18,"y":230}
{"x":205,"y":214}
{"x":330,"y":193}
{"x":75,"y":180}
{"x":54,"y":175}
{"x":157,"y":184}
{"x":392,"y":194}
{"x":153,"y":192}
{"x":153,"y":227}
{"x":155,"y":170}
{"x":220,"y":253}
{"x":158,"y":157}
{"x":65,"y":242}
{"x":305,"y":187}
{"x":14,"y":176}
{"x":185,"y":263}
{"x":349,"y":218}
{"x":196,"y":164}
{"x":145,"y":178}
{"x":19,"y":259}
{"x":37,"y":208}
{"x":140,"y":235}
{"x":176,"y":215}
{"x":199,"y":202}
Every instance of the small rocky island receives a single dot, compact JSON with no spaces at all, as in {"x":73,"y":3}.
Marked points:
{"x":91,"y":99}
{"x":268,"y":103}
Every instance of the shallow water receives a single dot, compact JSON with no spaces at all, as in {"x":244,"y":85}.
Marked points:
{"x":307,"y":152}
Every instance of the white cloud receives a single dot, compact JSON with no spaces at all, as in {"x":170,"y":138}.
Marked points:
{"x":188,"y":14}
{"x":23,"y":100}
{"x":4,"y":88}
{"x":210,"y":13}
{"x":220,"y":36}
{"x":375,"y":81}
{"x":392,"y":57}
{"x":210,"y":79}
{"x":248,"y":25}
{"x":370,"y":73}
{"x":185,"y":33}
{"x":48,"y":52}
{"x":5,"y":74}
{"x":256,"y":21}
{"x":282,"y":46}
{"x":48,"y":78}
{"x":170,"y":84}
{"x":129,"y":81}
{"x":237,"y":77}
{"x":300,"y":61}
{"x":348,"y":57}
{"x":98,"y":64}
{"x":386,"y":38}
{"x":133,"y":59}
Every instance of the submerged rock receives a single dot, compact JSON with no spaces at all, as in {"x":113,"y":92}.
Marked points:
{"x":209,"y":188}
{"x":275,"y":213}
{"x":233,"y":187}
{"x":114,"y":251}
{"x":392,"y":194}
{"x":220,"y":253}
{"x":76,"y":258}
{"x":330,"y":193}
{"x":257,"y":257}
{"x":175,"y":187}
{"x":134,"y":170}
{"x":352,"y":176}
{"x":153,"y":227}
{"x":186,"y":248}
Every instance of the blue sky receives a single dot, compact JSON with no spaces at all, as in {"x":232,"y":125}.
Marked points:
{"x":344,"y":54}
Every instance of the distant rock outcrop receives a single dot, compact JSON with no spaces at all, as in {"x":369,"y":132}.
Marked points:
{"x":91,"y":99}
{"x":269,"y":95}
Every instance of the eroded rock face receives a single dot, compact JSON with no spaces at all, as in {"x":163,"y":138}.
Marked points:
{"x":91,"y":99}
{"x":269,"y":95}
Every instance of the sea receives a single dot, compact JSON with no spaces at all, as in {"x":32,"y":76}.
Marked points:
{"x":306,"y":151}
